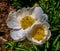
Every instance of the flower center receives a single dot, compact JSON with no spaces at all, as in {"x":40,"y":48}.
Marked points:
{"x":26,"y":22}
{"x":39,"y":33}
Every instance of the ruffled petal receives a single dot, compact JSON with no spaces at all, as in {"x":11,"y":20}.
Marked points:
{"x":37,"y":42}
{"x":25,"y":12}
{"x":37,"y":13}
{"x":31,"y":10}
{"x":12,"y":21}
{"x":49,"y":35}
{"x":44,"y":18}
{"x":46,"y":24}
{"x":17,"y":34}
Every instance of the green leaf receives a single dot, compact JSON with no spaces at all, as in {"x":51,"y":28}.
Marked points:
{"x":55,"y":41}
{"x":57,"y":46}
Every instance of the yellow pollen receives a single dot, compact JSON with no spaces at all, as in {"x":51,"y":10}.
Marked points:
{"x":39,"y":34}
{"x":26,"y":22}
{"x":36,"y":5}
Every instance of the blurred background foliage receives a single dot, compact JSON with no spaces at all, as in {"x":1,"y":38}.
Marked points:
{"x":52,"y":9}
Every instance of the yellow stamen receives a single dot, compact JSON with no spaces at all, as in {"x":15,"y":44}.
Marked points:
{"x":39,"y":34}
{"x":27,"y":21}
{"x":36,"y":5}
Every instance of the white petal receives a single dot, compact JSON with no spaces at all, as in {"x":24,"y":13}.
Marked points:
{"x":49,"y":35}
{"x":31,"y":10}
{"x":46,"y":24}
{"x":25,"y":12}
{"x":12,"y":21}
{"x":19,"y":15}
{"x":12,"y":13}
{"x":37,"y":42}
{"x":37,"y":13}
{"x":19,"y":12}
{"x":44,"y":18}
{"x":17,"y":34}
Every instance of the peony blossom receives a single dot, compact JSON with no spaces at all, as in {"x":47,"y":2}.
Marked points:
{"x":27,"y":22}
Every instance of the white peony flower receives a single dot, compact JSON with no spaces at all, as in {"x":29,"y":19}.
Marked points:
{"x":39,"y":33}
{"x":23,"y":19}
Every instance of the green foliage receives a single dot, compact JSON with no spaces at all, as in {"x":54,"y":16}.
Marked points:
{"x":52,"y":9}
{"x":9,"y":45}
